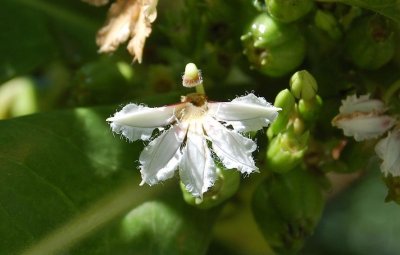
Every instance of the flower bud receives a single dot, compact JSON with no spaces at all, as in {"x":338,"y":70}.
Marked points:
{"x":370,"y":42}
{"x":286,"y":151}
{"x":226,"y":185}
{"x":328,"y":23}
{"x":260,"y":5}
{"x":192,"y":76}
{"x":288,"y":10}
{"x":362,"y":118}
{"x":286,"y":102}
{"x":273,"y":48}
{"x":310,"y":109}
{"x":303,"y":85}
{"x":287,"y":207}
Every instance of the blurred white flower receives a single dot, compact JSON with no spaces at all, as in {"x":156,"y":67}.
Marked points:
{"x":198,"y":129}
{"x":388,"y":149}
{"x":362,"y":118}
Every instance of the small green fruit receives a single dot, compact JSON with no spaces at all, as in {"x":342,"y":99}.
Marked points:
{"x":370,"y":42}
{"x":273,"y":48}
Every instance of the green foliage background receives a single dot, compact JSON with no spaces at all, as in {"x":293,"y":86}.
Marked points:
{"x":69,"y":186}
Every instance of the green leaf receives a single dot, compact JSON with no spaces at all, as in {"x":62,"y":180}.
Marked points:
{"x":25,"y":41}
{"x":388,"y":8}
{"x":65,"y":178}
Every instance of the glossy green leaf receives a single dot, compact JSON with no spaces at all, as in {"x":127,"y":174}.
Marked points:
{"x":65,"y":178}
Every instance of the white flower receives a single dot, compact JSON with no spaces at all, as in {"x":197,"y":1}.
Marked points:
{"x":362,"y":118}
{"x":388,"y":149}
{"x":197,"y":130}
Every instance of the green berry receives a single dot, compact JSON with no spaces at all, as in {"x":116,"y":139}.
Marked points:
{"x":273,"y":48}
{"x":370,"y":42}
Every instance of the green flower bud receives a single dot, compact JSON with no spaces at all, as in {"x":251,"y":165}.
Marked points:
{"x":226,"y":185}
{"x":286,"y":101}
{"x":370,"y":42}
{"x":303,"y":85}
{"x":286,"y":151}
{"x":310,"y":109}
{"x":192,"y":76}
{"x":273,"y":48}
{"x":260,"y":5}
{"x":328,"y":23}
{"x":287,"y":207}
{"x":288,"y":10}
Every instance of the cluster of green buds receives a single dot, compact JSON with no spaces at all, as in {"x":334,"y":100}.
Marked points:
{"x":289,"y":133}
{"x":288,"y":204}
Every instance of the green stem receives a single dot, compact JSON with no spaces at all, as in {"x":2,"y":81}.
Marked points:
{"x":200,"y":89}
{"x":391,"y":91}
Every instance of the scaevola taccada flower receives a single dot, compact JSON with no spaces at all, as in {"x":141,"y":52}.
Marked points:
{"x":192,"y":134}
{"x":363,"y":118}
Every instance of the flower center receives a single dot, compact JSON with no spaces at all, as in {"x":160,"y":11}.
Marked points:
{"x":195,"y":107}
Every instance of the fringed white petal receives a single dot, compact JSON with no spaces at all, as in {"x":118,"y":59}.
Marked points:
{"x":361,"y":104}
{"x":388,"y":149}
{"x":246,"y":113}
{"x":197,"y":168}
{"x":363,"y":126}
{"x":138,"y":121}
{"x":234,"y":150}
{"x":161,"y":157}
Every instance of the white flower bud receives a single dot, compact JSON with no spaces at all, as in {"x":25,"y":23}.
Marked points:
{"x":388,"y":149}
{"x":192,"y":76}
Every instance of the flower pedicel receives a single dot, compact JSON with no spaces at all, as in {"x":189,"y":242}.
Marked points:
{"x":192,"y":132}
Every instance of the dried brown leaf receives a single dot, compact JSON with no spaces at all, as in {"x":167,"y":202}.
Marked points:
{"x":128,"y":19}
